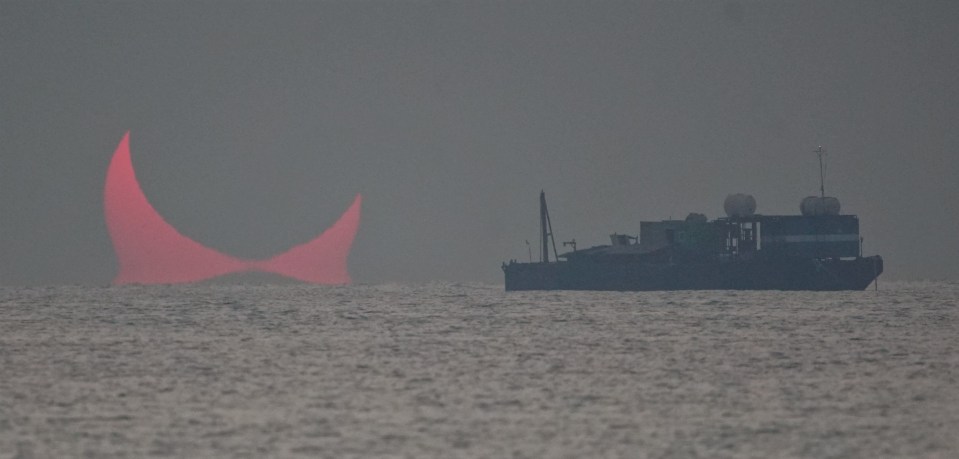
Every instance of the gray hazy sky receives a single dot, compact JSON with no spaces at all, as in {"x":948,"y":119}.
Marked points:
{"x":254,"y":124}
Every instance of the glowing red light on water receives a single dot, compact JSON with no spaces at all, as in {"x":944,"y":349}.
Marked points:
{"x":150,"y":251}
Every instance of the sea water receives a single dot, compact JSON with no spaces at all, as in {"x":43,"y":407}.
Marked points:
{"x":464,"y":370}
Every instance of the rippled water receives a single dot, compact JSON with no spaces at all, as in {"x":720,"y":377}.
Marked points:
{"x":471,"y":371}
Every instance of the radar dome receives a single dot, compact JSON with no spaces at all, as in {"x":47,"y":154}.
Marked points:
{"x":740,"y":205}
{"x":814,"y":206}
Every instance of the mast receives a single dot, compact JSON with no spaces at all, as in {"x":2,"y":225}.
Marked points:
{"x":546,"y":230}
{"x":543,"y":228}
{"x":822,"y":182}
{"x":552,"y":239}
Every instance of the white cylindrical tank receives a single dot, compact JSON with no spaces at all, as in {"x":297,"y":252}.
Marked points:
{"x":814,"y":206}
{"x":739,"y":205}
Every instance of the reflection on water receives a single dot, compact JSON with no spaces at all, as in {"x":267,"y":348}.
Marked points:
{"x":469,"y":370}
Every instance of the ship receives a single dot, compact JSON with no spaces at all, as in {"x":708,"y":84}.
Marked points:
{"x":819,"y":250}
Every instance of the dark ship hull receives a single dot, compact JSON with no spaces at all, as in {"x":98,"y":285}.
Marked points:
{"x":779,"y":273}
{"x":818,"y":250}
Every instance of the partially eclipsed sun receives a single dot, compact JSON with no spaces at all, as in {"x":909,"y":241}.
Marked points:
{"x":150,"y":251}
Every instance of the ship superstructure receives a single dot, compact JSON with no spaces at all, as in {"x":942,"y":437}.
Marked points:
{"x":820,"y":249}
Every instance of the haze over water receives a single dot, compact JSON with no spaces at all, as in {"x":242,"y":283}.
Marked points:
{"x":467,"y":370}
{"x":253,"y":125}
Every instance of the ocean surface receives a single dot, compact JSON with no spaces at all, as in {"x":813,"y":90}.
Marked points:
{"x":467,"y":370}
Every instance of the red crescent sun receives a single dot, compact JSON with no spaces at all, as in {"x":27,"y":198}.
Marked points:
{"x":150,"y":251}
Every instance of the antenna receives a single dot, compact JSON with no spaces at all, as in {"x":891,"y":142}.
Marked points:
{"x":822,"y":182}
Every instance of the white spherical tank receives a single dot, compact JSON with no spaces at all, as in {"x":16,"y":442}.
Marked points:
{"x":739,"y":205}
{"x":814,"y":206}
